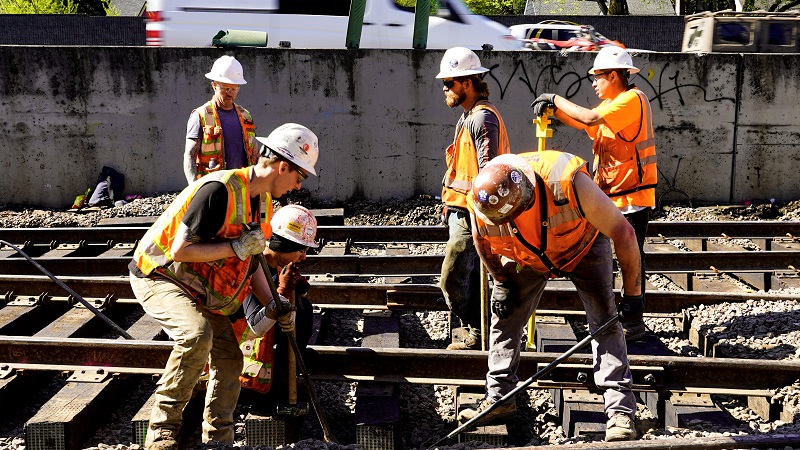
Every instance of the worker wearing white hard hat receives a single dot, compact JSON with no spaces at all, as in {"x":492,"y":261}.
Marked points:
{"x":480,"y":135}
{"x":220,"y":133}
{"x":623,"y":142}
{"x":264,"y":348}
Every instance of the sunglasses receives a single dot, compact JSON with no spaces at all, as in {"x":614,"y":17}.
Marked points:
{"x":598,"y":76}
{"x":450,"y":83}
{"x":301,"y":174}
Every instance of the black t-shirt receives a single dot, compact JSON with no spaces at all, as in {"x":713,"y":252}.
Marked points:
{"x":205,"y":215}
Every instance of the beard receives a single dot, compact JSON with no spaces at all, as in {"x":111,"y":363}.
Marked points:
{"x":452,"y":99}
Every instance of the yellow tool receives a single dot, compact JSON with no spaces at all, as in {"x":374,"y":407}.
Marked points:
{"x":543,"y":131}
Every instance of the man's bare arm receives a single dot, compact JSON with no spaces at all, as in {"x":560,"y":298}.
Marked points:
{"x":190,"y":159}
{"x":601,"y":212}
{"x":574,"y":115}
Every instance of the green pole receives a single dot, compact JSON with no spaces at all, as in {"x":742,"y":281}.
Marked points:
{"x":422,"y":12}
{"x":354,"y":25}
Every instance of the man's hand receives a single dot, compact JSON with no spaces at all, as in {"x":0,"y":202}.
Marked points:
{"x":251,"y":242}
{"x":502,"y":300}
{"x":444,"y":215}
{"x":631,"y":308}
{"x":285,"y":319}
{"x":543,"y":102}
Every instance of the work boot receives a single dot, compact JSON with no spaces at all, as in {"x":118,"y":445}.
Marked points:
{"x":620,"y":427}
{"x":162,"y":440}
{"x":472,"y":341}
{"x":634,"y":330}
{"x":502,"y":412}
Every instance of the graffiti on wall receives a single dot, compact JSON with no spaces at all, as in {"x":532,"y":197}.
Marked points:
{"x":668,"y":81}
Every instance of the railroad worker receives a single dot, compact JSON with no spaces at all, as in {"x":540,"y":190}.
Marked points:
{"x":220,"y":134}
{"x":537,"y":216}
{"x":294,"y":229}
{"x":621,"y":129}
{"x":193,"y":268}
{"x":480,"y":135}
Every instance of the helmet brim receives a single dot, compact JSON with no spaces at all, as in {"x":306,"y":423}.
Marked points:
{"x":462,"y":73}
{"x":213,"y":77}
{"x":631,"y":69}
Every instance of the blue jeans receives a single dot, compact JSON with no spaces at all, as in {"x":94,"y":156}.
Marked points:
{"x":460,"y":280}
{"x":593,"y":280}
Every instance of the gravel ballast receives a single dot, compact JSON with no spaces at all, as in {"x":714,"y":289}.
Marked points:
{"x":753,"y":329}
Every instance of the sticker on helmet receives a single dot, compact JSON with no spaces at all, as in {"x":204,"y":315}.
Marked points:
{"x":493,"y":199}
{"x":294,"y":227}
{"x":502,"y":191}
{"x":304,"y":148}
{"x":483,"y":196}
{"x":453,"y":63}
{"x":505,"y":208}
{"x":516,"y":177}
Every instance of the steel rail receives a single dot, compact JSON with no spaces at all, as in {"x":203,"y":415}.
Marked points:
{"x":657,"y":262}
{"x":373,"y":295}
{"x":398,"y":364}
{"x":376,"y":234}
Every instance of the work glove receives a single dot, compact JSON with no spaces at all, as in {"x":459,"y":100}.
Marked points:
{"x":543,"y":102}
{"x":251,"y":242}
{"x":288,"y":278}
{"x":286,"y":319}
{"x":502,"y":299}
{"x":443,"y":218}
{"x":631,"y":308}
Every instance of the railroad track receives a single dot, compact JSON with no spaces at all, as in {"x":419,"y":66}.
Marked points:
{"x":42,"y":331}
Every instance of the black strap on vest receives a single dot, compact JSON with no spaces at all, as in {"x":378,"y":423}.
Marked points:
{"x":540,"y":188}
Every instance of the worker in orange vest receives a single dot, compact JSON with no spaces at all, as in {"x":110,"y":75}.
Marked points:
{"x":621,"y":129}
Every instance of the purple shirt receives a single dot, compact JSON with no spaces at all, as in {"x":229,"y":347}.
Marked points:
{"x":231,"y":136}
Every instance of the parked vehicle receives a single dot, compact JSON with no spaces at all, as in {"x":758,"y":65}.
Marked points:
{"x":558,"y":35}
{"x":742,"y":32}
{"x":320,"y":24}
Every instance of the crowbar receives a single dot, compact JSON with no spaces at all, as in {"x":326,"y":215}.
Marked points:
{"x":312,"y":393}
{"x":544,"y":371}
{"x":74,"y":294}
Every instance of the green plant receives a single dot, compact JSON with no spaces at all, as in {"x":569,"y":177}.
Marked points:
{"x":38,"y":7}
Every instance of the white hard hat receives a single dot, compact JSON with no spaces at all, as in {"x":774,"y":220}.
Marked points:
{"x":294,"y":142}
{"x":295,"y":223}
{"x":612,"y":57}
{"x":460,"y":62}
{"x":227,"y":69}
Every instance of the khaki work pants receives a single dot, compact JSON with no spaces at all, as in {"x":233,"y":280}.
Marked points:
{"x":200,"y":337}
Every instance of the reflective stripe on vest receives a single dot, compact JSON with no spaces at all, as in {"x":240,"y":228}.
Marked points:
{"x":258,"y":354}
{"x":212,"y":146}
{"x":461,"y":158}
{"x":632,"y":177}
{"x":556,"y":245}
{"x":222,"y":284}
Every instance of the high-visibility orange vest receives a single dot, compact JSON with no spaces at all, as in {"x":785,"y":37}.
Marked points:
{"x":212,"y":146}
{"x":219,"y":285}
{"x":625,"y":166}
{"x":259,"y":356}
{"x":462,"y":159}
{"x":553,"y":235}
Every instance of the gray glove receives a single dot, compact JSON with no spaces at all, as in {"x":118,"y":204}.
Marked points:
{"x":286,"y":319}
{"x":631,"y":308}
{"x":543,"y":102}
{"x":501,"y":300}
{"x":251,"y":242}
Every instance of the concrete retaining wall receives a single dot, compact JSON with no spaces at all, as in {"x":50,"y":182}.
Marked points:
{"x":727,"y":125}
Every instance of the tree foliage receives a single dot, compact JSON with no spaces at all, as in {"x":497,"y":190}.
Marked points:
{"x":88,"y":7}
{"x":496,"y":7}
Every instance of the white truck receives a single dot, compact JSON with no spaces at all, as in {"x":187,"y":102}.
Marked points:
{"x":320,"y":24}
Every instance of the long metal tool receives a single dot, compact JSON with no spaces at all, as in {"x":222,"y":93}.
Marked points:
{"x":312,"y":392}
{"x":545,"y":370}
{"x":74,"y":294}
